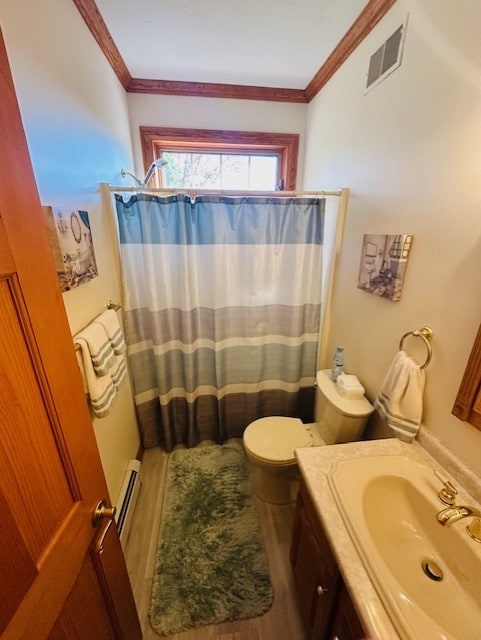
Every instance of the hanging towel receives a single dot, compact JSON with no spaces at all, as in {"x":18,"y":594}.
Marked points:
{"x":118,"y":371}
{"x":108,"y":319}
{"x":401,"y":397}
{"x":101,"y":389}
{"x":100,"y":350}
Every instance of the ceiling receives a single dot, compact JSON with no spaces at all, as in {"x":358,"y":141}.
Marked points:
{"x":276,"y":44}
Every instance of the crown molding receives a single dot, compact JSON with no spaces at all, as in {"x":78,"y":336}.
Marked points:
{"x":364,"y":24}
{"x":94,"y":21}
{"x":216,"y":90}
{"x":367,"y":19}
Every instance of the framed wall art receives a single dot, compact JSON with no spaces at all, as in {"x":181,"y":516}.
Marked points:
{"x":383,"y":264}
{"x":72,"y":246}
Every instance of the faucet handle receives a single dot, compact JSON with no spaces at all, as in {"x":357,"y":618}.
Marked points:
{"x":474,"y":529}
{"x":448,"y":493}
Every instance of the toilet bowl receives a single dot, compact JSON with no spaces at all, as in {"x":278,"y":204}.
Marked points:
{"x":270,"y":442}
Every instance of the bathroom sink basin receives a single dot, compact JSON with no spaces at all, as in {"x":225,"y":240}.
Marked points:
{"x":427,"y":575}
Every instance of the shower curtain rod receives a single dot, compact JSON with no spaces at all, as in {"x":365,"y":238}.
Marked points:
{"x":195,"y":192}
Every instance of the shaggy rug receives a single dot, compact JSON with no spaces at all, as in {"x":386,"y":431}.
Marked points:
{"x":211,"y":564}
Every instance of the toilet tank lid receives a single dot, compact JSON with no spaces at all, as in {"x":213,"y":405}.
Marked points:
{"x":354,"y":407}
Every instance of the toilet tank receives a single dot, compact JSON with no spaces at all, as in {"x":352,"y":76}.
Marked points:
{"x":338,"y":419}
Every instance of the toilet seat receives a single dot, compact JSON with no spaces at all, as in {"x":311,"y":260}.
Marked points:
{"x":273,"y":440}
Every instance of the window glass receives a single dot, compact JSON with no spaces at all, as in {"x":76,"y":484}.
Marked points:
{"x":263,"y":173}
{"x":228,"y":171}
{"x":235,"y":172}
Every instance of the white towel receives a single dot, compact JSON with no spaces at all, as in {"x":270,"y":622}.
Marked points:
{"x":118,"y":371}
{"x":401,"y":397}
{"x":101,"y":389}
{"x":108,"y":319}
{"x":100,"y":349}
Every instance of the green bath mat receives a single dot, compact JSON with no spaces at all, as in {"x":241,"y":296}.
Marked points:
{"x":211,"y":564}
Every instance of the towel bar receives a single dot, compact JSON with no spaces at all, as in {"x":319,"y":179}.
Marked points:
{"x":110,"y":305}
{"x":113,"y":305}
{"x":426,"y":333}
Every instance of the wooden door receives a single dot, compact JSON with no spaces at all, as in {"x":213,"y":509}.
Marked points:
{"x":54,"y":583}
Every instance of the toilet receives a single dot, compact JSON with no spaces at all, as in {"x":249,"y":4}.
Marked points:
{"x":340,"y":416}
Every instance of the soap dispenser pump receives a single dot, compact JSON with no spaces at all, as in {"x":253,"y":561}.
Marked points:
{"x":337,"y":363}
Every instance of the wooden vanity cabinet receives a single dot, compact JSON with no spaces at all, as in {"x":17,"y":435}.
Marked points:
{"x":324,"y":603}
{"x":345,"y":624}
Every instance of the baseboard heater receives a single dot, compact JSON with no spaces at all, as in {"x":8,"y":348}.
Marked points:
{"x":127,"y":499}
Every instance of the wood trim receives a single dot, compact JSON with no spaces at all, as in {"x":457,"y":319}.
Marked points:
{"x":287,"y":144}
{"x":140,"y":453}
{"x":467,"y":405}
{"x":214,"y":90}
{"x":364,"y":24}
{"x":94,"y":21}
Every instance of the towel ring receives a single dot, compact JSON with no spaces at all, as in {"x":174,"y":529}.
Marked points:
{"x":426,"y":333}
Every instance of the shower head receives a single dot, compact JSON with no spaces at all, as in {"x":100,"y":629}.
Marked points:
{"x":158,"y":163}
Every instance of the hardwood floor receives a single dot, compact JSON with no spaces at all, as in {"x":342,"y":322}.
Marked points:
{"x":281,"y":622}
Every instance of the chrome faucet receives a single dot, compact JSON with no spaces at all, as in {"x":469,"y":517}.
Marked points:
{"x":453,"y":514}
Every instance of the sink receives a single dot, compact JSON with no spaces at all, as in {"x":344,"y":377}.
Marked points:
{"x":428,"y":576}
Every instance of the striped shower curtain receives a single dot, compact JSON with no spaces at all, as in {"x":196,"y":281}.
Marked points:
{"x":222,"y":306}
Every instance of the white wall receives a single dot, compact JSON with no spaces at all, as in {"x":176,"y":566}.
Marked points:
{"x":213,"y":113}
{"x":410,"y":152}
{"x":75,"y":117}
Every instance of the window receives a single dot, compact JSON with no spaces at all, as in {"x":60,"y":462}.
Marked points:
{"x":217,"y":160}
{"x":220,"y":170}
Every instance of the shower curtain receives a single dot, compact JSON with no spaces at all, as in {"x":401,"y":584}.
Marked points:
{"x":222,"y":306}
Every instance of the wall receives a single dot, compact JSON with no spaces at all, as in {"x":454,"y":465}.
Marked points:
{"x":75,"y":117}
{"x":76,"y":120}
{"x":410,"y":152}
{"x":213,"y":113}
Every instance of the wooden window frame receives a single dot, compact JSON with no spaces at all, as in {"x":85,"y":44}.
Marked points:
{"x":154,"y":140}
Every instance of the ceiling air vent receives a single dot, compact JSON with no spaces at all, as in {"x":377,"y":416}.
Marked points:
{"x":386,"y":59}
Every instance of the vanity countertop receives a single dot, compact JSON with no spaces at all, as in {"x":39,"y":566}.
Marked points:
{"x":316,"y":464}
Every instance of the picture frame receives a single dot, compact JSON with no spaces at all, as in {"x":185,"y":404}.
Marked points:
{"x":72,"y":247}
{"x":383,"y":264}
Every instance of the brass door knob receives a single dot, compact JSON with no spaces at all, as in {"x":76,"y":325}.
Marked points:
{"x":103,"y":515}
{"x":102,"y":511}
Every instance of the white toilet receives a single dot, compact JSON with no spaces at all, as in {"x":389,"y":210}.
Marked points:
{"x":270,"y":442}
